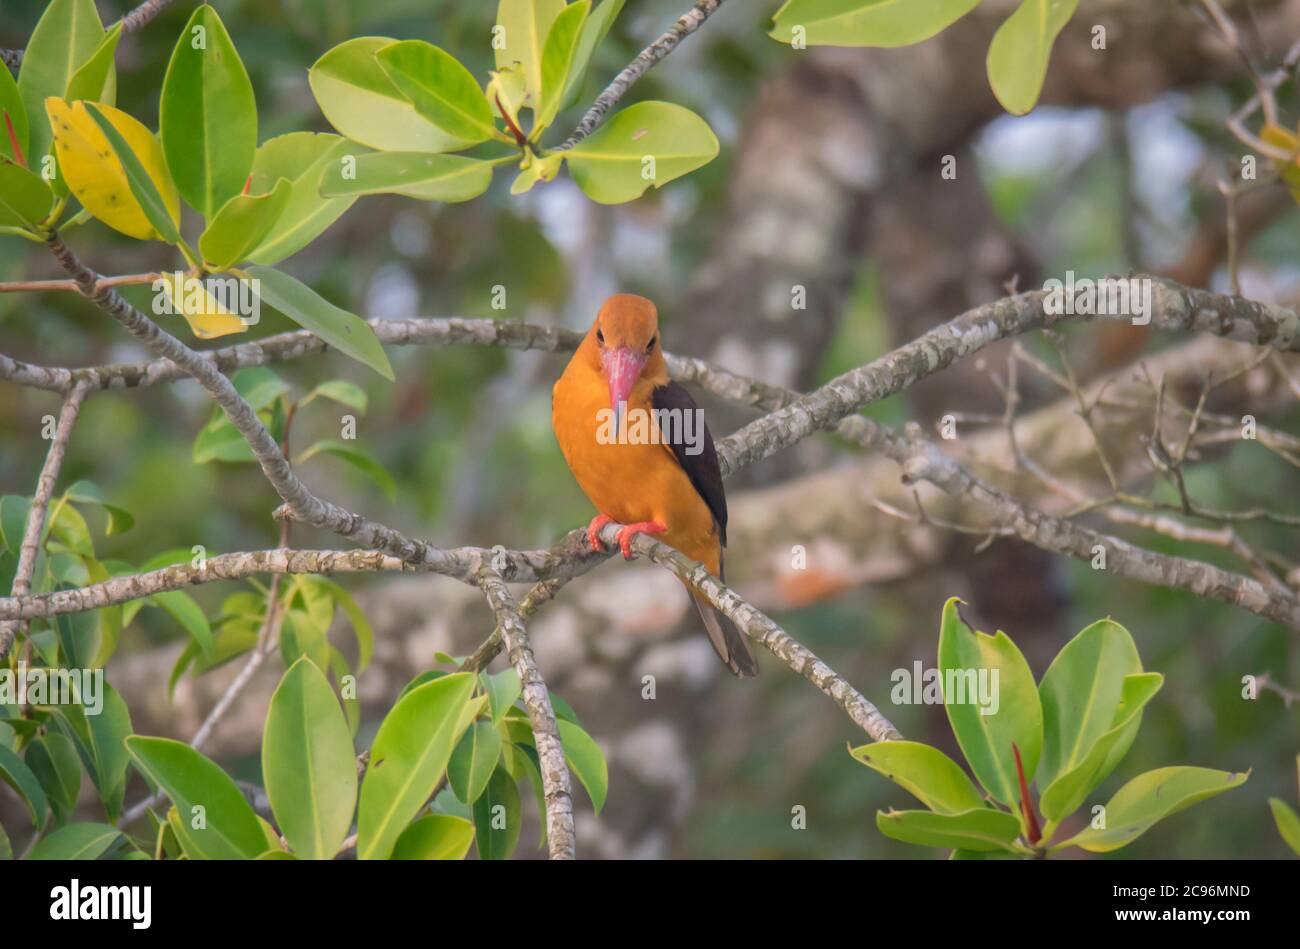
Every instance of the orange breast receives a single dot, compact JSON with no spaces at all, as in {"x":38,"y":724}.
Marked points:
{"x":629,"y":482}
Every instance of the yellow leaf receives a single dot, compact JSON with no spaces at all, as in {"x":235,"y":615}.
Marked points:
{"x":1286,"y":140}
{"x":1280,"y":137}
{"x":188,"y":295}
{"x":93,"y":173}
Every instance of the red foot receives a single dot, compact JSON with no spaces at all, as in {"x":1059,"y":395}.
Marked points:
{"x":593,"y":530}
{"x":625,"y":535}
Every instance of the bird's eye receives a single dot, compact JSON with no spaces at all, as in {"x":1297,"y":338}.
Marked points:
{"x":653,"y":339}
{"x":600,"y":337}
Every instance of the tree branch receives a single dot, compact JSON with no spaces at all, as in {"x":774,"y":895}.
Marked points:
{"x":556,"y":781}
{"x":686,"y":24}
{"x":1173,"y":307}
{"x":762,"y":630}
{"x":134,"y":20}
{"x":31,"y":541}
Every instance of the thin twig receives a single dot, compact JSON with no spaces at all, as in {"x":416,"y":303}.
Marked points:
{"x":686,"y":24}
{"x":31,"y":541}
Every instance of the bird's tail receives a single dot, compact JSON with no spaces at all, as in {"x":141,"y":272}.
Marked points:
{"x":728,"y":642}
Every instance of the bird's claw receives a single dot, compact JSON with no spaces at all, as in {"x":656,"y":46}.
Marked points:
{"x":594,"y":528}
{"x":625,"y":535}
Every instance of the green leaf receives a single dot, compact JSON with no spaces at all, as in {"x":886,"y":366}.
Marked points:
{"x":70,"y":529}
{"x":142,"y":186}
{"x":983,"y":855}
{"x":357,"y":618}
{"x":341,"y":391}
{"x":6,"y":848}
{"x":189,"y":614}
{"x":409,"y":754}
{"x":345,"y":331}
{"x":473,"y":761}
{"x":241,"y":225}
{"x":1080,"y":692}
{"x":441,"y":89}
{"x":446,"y":802}
{"x":15,"y":773}
{"x":68,"y":33}
{"x":11,"y":102}
{"x":85,"y":492}
{"x":1288,"y":824}
{"x":1021,"y":48}
{"x":502,"y":690}
{"x":25,"y":199}
{"x":79,"y":636}
{"x":304,"y":158}
{"x":586,"y":761}
{"x":539,"y":169}
{"x":215,"y":821}
{"x":594,"y":32}
{"x":650,"y":143}
{"x":14,"y":511}
{"x":220,"y":441}
{"x":563,"y":710}
{"x":520,"y":38}
{"x":259,"y":386}
{"x":1150,"y":798}
{"x":358,"y":459}
{"x":970,"y":658}
{"x":1067,"y":792}
{"x":76,"y":842}
{"x":308,"y":763}
{"x":99,"y":736}
{"x":96,"y":80}
{"x":505,"y":94}
{"x":53,"y":759}
{"x":520,"y":761}
{"x":301,"y":636}
{"x":979,"y":829}
{"x":422,"y":175}
{"x":207,"y":115}
{"x":936,"y":780}
{"x":558,"y":58}
{"x":360,"y":101}
{"x":435,"y":837}
{"x":887,"y":23}
{"x":497,"y":818}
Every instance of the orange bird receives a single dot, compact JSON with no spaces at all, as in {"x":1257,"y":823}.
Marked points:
{"x":638,"y":445}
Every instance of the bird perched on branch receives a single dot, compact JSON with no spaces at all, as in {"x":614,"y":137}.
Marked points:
{"x":638,"y":445}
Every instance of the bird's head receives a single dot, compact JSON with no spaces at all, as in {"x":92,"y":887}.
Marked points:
{"x":626,"y":340}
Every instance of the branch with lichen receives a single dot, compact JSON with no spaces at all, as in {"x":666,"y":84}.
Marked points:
{"x":556,"y":780}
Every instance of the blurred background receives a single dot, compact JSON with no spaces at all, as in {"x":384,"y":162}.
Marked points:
{"x":830,"y":178}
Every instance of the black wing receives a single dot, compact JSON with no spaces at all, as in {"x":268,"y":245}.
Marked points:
{"x":701,"y":468}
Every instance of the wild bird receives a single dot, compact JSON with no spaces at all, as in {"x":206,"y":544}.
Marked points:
{"x":641,"y":452}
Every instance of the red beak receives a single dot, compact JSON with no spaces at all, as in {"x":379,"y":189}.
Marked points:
{"x":622,"y":368}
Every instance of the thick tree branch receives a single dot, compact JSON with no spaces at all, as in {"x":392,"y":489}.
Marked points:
{"x":568,"y":558}
{"x":283,"y":347}
{"x":556,"y":781}
{"x":31,"y":541}
{"x":964,"y":335}
{"x":1173,"y":307}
